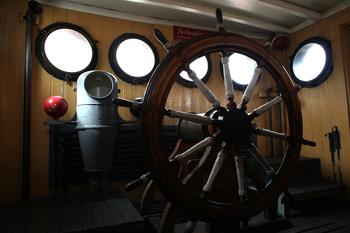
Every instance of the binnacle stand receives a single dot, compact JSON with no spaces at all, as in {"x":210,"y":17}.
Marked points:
{"x":222,"y":177}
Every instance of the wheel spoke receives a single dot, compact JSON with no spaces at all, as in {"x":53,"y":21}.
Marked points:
{"x":283,"y":136}
{"x":204,"y":88}
{"x":227,"y":77}
{"x":188,"y":116}
{"x":256,"y":174}
{"x":253,"y":150}
{"x":271,"y":133}
{"x":191,"y":152}
{"x":250,"y":88}
{"x":263,"y":108}
{"x":194,"y":177}
{"x":239,"y":164}
{"x":214,"y":171}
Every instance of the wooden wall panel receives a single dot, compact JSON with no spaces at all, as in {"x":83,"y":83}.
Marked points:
{"x":327,"y":105}
{"x":4,"y":53}
{"x":11,"y":88}
{"x":42,"y":86}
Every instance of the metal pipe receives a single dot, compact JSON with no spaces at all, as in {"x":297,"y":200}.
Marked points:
{"x":33,"y":9}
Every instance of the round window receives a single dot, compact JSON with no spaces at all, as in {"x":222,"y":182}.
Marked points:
{"x":242,"y":69}
{"x":133,"y":58}
{"x":201,"y":66}
{"x":312,"y":63}
{"x":66,"y":50}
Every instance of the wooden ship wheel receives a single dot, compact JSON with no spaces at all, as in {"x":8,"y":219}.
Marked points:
{"x":228,"y":162}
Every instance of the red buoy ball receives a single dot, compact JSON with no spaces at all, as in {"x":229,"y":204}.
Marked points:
{"x":55,"y":106}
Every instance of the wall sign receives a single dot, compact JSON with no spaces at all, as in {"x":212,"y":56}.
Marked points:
{"x":183,"y":33}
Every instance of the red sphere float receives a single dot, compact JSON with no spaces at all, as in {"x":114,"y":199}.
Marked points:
{"x":55,"y":106}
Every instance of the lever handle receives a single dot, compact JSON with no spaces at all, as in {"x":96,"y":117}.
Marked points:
{"x":127,"y":103}
{"x":308,"y":142}
{"x":161,"y":38}
{"x":122,"y":102}
{"x":219,"y":19}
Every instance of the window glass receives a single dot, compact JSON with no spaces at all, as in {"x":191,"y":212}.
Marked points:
{"x":199,"y":66}
{"x":312,"y":62}
{"x":133,"y":58}
{"x":309,"y":62}
{"x":241,"y":68}
{"x":68,"y":50}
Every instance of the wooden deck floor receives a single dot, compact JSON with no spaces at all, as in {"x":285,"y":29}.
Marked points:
{"x":318,"y":217}
{"x":70,"y":214}
{"x":335,"y":216}
{"x":73,"y":214}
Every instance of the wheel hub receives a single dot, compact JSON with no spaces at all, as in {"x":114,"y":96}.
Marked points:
{"x":235,"y":126}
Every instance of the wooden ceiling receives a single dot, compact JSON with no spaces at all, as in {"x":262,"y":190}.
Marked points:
{"x":254,"y":18}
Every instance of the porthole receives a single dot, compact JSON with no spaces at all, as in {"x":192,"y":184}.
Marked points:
{"x":66,"y":50}
{"x":201,"y":66}
{"x":133,"y":58}
{"x":312,"y":62}
{"x":241,"y":68}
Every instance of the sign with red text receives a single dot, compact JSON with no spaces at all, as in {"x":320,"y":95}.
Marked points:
{"x":183,"y":33}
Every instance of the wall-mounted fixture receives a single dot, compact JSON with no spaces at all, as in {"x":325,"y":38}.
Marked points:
{"x":312,"y":62}
{"x":66,"y":50}
{"x":133,"y":58}
{"x":242,"y":69}
{"x":201,"y":66}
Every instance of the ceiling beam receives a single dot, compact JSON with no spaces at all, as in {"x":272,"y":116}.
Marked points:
{"x":209,"y":11}
{"x":302,"y":25}
{"x":128,"y":16}
{"x":339,"y":7}
{"x":292,"y":9}
{"x":336,"y":9}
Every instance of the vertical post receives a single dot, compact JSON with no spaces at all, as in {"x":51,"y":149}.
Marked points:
{"x":33,"y":9}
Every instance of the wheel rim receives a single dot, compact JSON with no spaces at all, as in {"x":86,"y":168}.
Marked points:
{"x":154,"y":102}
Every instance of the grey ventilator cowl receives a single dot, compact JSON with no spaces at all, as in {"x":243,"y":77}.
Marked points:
{"x":97,"y":118}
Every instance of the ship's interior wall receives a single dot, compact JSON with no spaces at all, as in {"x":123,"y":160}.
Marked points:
{"x":322,"y":107}
{"x":327,"y":105}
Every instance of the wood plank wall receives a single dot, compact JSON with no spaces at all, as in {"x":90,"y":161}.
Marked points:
{"x":105,"y":30}
{"x":12,"y":33}
{"x":327,"y":105}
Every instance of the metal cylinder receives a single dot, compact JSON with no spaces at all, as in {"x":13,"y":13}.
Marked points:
{"x":191,"y":131}
{"x":97,"y":118}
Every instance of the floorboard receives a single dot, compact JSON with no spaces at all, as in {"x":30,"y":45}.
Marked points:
{"x":312,"y":217}
{"x":70,"y":214}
